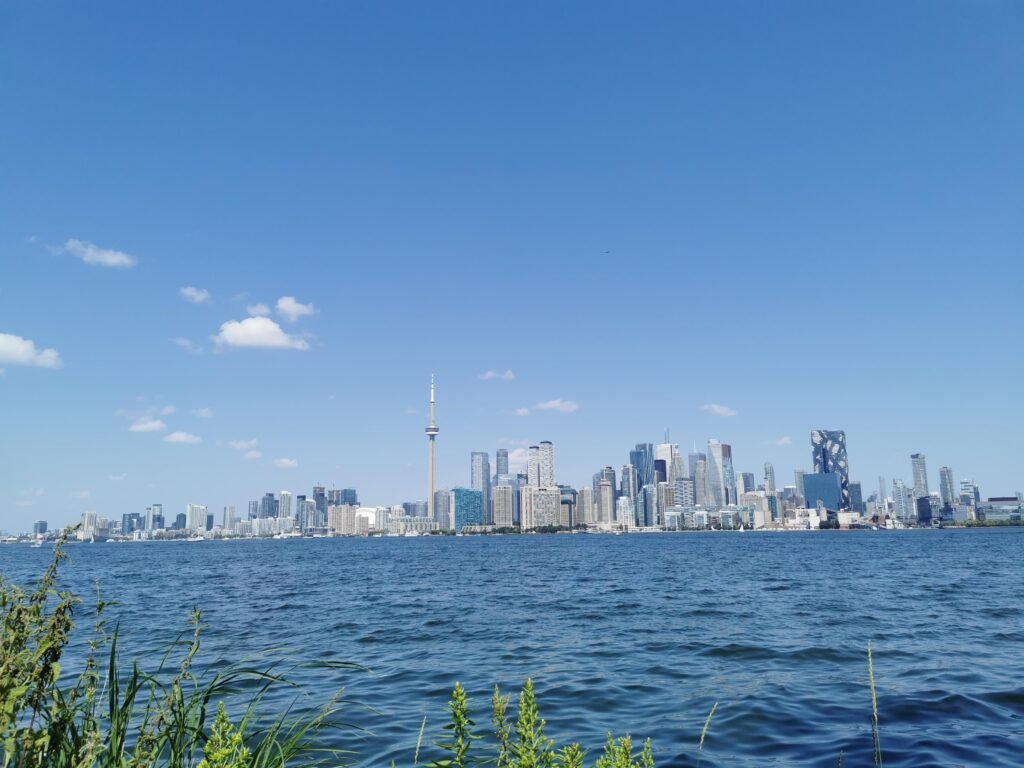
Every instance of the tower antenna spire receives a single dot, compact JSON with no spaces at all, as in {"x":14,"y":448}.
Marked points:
{"x":431,"y":431}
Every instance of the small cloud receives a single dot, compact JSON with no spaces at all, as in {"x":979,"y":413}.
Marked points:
{"x":243,"y":445}
{"x":33,"y":492}
{"x":252,"y":455}
{"x":14,"y":350}
{"x":257,"y":333}
{"x":23,"y":503}
{"x":492,"y":375}
{"x":286,"y":463}
{"x":188,"y":346}
{"x":522,"y":411}
{"x":784,"y":440}
{"x":79,"y":494}
{"x":203,"y":413}
{"x":167,"y":410}
{"x":718,"y":410}
{"x":518,"y":459}
{"x":410,"y":411}
{"x":93,"y":254}
{"x":291,"y":310}
{"x":118,"y":478}
{"x":147,"y":424}
{"x":258,"y":310}
{"x":562,"y":406}
{"x":194,"y":295}
{"x":183,"y":437}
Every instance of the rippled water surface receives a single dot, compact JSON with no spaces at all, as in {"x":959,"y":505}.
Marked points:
{"x":638,"y":634}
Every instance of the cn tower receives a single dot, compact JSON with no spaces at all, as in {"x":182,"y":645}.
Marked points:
{"x":431,"y":431}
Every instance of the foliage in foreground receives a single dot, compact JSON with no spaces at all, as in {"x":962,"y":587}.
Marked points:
{"x":110,"y":717}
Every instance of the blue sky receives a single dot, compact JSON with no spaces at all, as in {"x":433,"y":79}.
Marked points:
{"x":809,"y":213}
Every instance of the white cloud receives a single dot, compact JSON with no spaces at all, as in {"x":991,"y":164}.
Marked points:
{"x":257,"y":333}
{"x":258,"y":310}
{"x":147,"y":424}
{"x":522,"y":411}
{"x":784,"y":440}
{"x":119,"y":478}
{"x":194,"y":295}
{"x":492,"y":375}
{"x":33,"y":492}
{"x":718,"y":410}
{"x":252,"y":455}
{"x":167,"y":410}
{"x":290,"y":309}
{"x":204,"y":413}
{"x":79,"y":494}
{"x":23,"y":503}
{"x":183,"y":437}
{"x":286,"y":463}
{"x":518,"y":459}
{"x":188,"y":346}
{"x":93,"y":254}
{"x":562,"y":406}
{"x":511,"y":441}
{"x":15,"y":350}
{"x":243,"y":445}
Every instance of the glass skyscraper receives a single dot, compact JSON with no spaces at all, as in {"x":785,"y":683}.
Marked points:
{"x":466,"y":507}
{"x":828,"y":449}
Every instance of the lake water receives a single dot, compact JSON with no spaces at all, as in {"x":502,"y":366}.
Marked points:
{"x":637,"y":634}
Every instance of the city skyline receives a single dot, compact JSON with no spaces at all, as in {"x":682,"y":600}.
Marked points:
{"x":215,"y":279}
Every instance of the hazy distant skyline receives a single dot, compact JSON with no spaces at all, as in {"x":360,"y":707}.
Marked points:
{"x":235,"y":245}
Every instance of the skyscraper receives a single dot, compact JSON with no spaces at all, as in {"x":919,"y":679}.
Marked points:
{"x":501,"y":461}
{"x":284,"y":506}
{"x":502,"y":506}
{"x":547,"y":464}
{"x":902,"y":503}
{"x":720,"y":474}
{"x":480,"y":479}
{"x":946,"y":490}
{"x":769,"y":478}
{"x":540,"y":507}
{"x":431,"y":431}
{"x":798,"y":480}
{"x":642,"y":457}
{"x":533,"y":465}
{"x":692,"y":460}
{"x":320,"y":497}
{"x":195,"y":517}
{"x":917,"y":463}
{"x":466,"y":508}
{"x":828,"y":451}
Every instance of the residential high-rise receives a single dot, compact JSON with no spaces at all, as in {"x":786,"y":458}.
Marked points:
{"x":501,"y":461}
{"x":567,"y":511}
{"x":798,"y":481}
{"x":39,"y":528}
{"x":828,"y":451}
{"x":720,"y":474}
{"x":195,"y":517}
{"x":586,"y":506}
{"x":268,"y":506}
{"x":467,"y":508}
{"x":629,"y":481}
{"x":320,"y":498}
{"x":605,"y":498}
{"x":692,"y":460}
{"x":857,"y":498}
{"x":769,"y":478}
{"x":540,"y":507}
{"x":502,"y":506}
{"x":969,"y":495}
{"x":744,"y":483}
{"x":442,"y":510}
{"x":284,"y":504}
{"x":480,"y":479}
{"x":920,"y":469}
{"x":349,"y":496}
{"x":902,"y":502}
{"x":642,"y":457}
{"x":547,"y":464}
{"x":882,"y":495}
{"x":946,"y":491}
{"x":533,"y":465}
{"x":431,"y":431}
{"x":229,"y":519}
{"x":684,"y":492}
{"x":700,"y":482}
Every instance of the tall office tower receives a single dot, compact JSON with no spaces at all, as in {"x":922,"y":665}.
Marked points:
{"x":349,"y":496}
{"x":769,"y":478}
{"x":467,"y":507}
{"x":692,"y":460}
{"x":946,"y":491}
{"x":431,"y":430}
{"x":721,"y":477}
{"x":585,"y":505}
{"x":195,"y":517}
{"x":442,"y":510}
{"x":660,"y":471}
{"x":857,"y":498}
{"x":969,"y":493}
{"x":228,"y":523}
{"x":519,"y":479}
{"x":284,"y":504}
{"x":917,"y":463}
{"x":268,"y":506}
{"x":501,"y":461}
{"x":39,"y":527}
{"x":333,"y":497}
{"x":666,"y":499}
{"x":642,"y":457}
{"x":677,"y":469}
{"x":700,"y":482}
{"x":828,"y":450}
{"x":320,"y":497}
{"x":547,"y":464}
{"x":605,"y":497}
{"x":154,"y":517}
{"x":798,"y":480}
{"x":650,"y":494}
{"x":305,"y":511}
{"x":625,"y":513}
{"x":180,"y":522}
{"x":480,"y":479}
{"x":533,"y":465}
{"x":902,"y":503}
{"x":502,"y":506}
{"x":567,"y":510}
{"x":744,"y":483}
{"x":629,"y":482}
{"x":882,"y":495}
{"x":684,"y":495}
{"x":666,"y":452}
